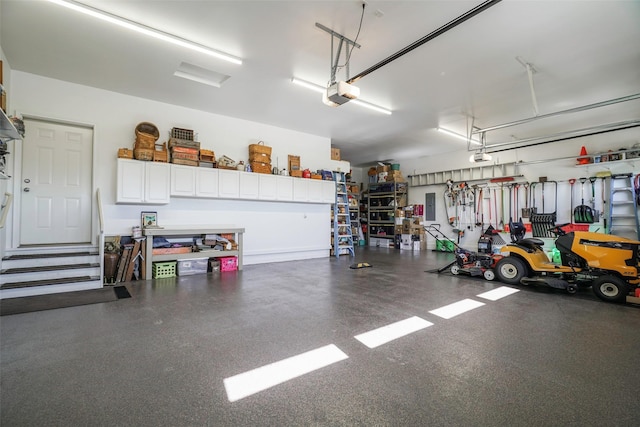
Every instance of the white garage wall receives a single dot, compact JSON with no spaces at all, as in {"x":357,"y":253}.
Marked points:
{"x":555,"y":170}
{"x":274,"y":231}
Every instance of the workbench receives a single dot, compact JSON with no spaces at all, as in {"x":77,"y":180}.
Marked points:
{"x":192,"y":231}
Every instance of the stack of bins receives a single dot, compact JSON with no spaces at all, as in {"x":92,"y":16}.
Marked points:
{"x":260,"y":157}
{"x":184,"y":150}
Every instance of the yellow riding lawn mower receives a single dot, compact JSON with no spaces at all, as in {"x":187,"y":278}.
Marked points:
{"x":609,"y":264}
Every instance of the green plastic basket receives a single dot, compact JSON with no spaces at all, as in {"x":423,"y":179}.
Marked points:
{"x":161,"y":270}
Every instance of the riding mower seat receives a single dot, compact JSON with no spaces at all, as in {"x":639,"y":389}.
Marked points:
{"x":530,"y":243}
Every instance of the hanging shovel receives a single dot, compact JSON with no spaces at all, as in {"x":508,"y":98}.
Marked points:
{"x":526,"y":211}
{"x":571,"y":181}
{"x":596,"y":213}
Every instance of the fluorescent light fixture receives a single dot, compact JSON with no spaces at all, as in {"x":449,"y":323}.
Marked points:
{"x":142,"y":29}
{"x":457,"y":135}
{"x":314,"y":87}
{"x":200,"y":75}
{"x":323,"y":90}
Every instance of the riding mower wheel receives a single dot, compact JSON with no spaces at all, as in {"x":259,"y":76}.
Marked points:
{"x":489,"y":275}
{"x":610,"y":288}
{"x":511,"y":270}
{"x":455,"y":269}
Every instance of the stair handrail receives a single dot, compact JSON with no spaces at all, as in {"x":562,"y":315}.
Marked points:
{"x":101,"y":235}
{"x":100,"y":215}
{"x":5,"y":208}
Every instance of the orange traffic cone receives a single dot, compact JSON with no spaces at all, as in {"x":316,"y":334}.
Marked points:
{"x":583,"y":160}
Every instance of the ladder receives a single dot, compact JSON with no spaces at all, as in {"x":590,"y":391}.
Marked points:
{"x":623,"y":209}
{"x":342,"y":233}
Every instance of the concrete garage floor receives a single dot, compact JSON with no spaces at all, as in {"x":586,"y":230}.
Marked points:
{"x":160,"y":358}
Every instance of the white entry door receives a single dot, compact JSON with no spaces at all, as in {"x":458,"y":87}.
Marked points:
{"x":56,"y":184}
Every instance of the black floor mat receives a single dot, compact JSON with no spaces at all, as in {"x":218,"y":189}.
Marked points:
{"x":62,"y":300}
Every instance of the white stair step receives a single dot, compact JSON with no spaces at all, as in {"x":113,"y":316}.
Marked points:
{"x":48,"y":272}
{"x":92,"y":283}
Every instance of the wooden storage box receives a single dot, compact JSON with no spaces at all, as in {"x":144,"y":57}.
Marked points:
{"x":160,"y":153}
{"x":297,"y":174}
{"x":125,"y":153}
{"x":178,"y":133}
{"x":294,"y":163}
{"x":164,"y":251}
{"x":207,"y":156}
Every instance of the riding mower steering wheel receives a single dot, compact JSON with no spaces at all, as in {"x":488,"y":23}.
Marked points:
{"x":558,"y":230}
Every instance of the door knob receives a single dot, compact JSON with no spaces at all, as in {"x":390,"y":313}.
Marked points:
{"x":26,"y":189}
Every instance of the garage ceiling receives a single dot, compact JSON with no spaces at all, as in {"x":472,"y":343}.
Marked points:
{"x":583,"y":52}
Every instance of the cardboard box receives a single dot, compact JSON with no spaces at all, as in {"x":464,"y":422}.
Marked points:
{"x":335,"y":154}
{"x":406,"y":226}
{"x":406,"y":242}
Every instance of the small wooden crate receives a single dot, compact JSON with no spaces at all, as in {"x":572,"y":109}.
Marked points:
{"x":294,"y":163}
{"x":125,"y":153}
{"x":179,"y":133}
{"x":161,"y":155}
{"x":207,"y":156}
{"x":297,"y":174}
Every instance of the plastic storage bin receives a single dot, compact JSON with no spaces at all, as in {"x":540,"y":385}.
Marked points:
{"x":188,"y":267}
{"x":161,"y":270}
{"x":229,"y":263}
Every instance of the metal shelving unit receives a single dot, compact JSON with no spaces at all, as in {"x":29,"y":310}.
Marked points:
{"x":384,"y":199}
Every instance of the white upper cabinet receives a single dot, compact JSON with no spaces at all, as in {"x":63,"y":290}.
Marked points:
{"x":142,"y":182}
{"x":268,"y":186}
{"x":249,"y":185}
{"x":300,"y":189}
{"x":228,"y":184}
{"x":328,"y":191}
{"x":314,"y":192}
{"x":207,"y":182}
{"x":183,"y":180}
{"x":284,"y":188}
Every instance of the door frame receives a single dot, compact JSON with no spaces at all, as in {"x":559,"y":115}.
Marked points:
{"x":14,"y":240}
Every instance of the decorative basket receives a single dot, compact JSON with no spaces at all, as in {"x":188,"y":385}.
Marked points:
{"x":148,"y":129}
{"x":145,"y":140}
{"x":259,"y":148}
{"x":143,"y":154}
{"x":259,"y":157}
{"x":261,"y":167}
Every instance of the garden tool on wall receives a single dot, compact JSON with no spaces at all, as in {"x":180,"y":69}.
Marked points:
{"x":596,"y":213}
{"x":571,"y":182}
{"x":603,"y":176}
{"x":541,"y":223}
{"x":526,"y":212}
{"x":583,"y":214}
